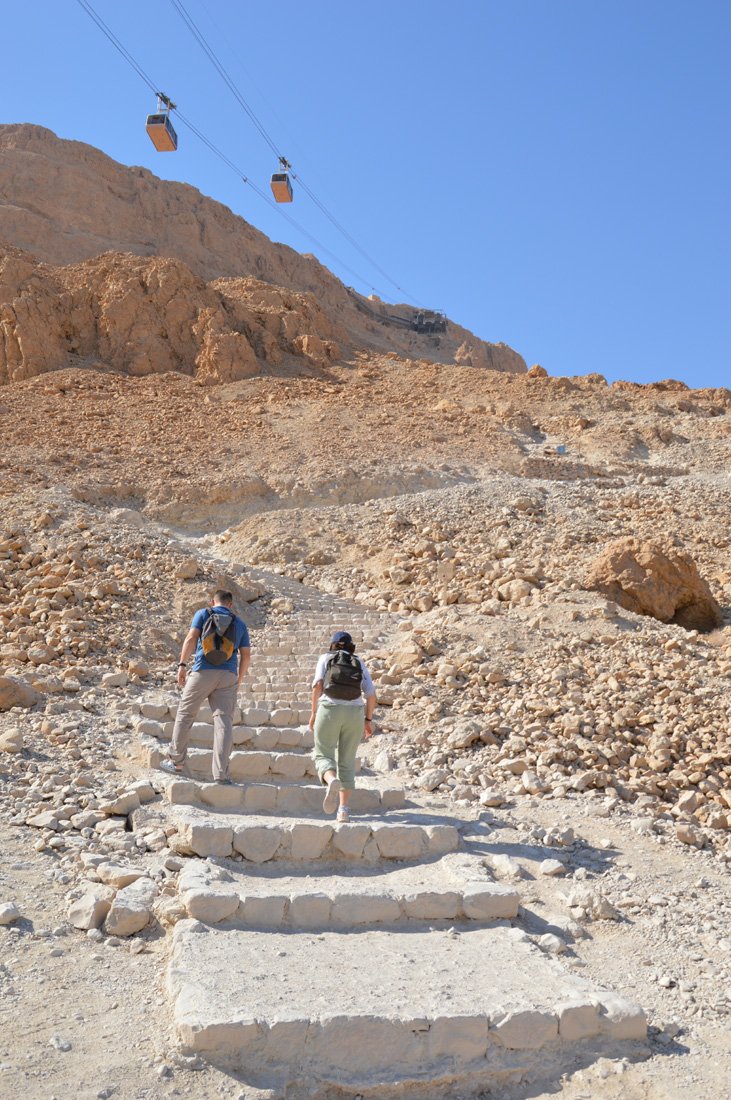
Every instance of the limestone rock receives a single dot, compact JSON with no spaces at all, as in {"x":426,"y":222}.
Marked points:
{"x":552,"y":867}
{"x":210,"y":904}
{"x":187,"y":570}
{"x":169,"y":910}
{"x":16,"y":693}
{"x":585,"y":901}
{"x":114,"y":874}
{"x":47,"y":819}
{"x":123,"y":804}
{"x":91,"y":908}
{"x":688,"y":834}
{"x":114,"y":679}
{"x":12,"y":741}
{"x":9,"y":912}
{"x":131,"y":910}
{"x":649,"y":579}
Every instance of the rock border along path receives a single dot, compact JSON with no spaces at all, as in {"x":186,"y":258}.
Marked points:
{"x":363,"y":956}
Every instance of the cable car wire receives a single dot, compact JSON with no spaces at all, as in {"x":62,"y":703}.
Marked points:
{"x":215,"y":61}
{"x":134,"y":64}
{"x":349,"y":238}
{"x":117,"y":44}
{"x":263,"y":195}
{"x":228,"y":80}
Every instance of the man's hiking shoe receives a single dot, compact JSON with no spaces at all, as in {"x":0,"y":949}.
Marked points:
{"x":330,"y":800}
{"x":167,"y":765}
{"x":343,"y":815}
{"x":224,"y":782}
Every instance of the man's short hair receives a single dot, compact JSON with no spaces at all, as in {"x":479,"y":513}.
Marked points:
{"x":221,"y":596}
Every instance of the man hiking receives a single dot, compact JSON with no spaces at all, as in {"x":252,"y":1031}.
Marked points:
{"x":220,"y":641}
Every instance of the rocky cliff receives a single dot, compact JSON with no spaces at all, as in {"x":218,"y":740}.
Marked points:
{"x":67,"y":203}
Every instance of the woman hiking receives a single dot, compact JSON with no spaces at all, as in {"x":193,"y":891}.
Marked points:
{"x":343,"y":701}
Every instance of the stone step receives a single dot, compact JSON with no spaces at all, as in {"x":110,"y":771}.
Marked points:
{"x":249,"y":764}
{"x":276,"y":683}
{"x":261,"y":714}
{"x":255,"y":737}
{"x":282,"y":798}
{"x":259,"y":839}
{"x":443,"y":890}
{"x":433,"y":1010}
{"x":244,"y":766}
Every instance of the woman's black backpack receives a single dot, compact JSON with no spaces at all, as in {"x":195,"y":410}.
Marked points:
{"x":343,"y":676}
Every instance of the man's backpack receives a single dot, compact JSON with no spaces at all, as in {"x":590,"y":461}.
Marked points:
{"x":218,"y":637}
{"x":343,"y":676}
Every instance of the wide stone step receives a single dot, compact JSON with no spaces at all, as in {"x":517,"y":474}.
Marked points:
{"x":255,"y":737}
{"x":248,"y":764}
{"x":260,"y":713}
{"x":431,"y":1010}
{"x":259,"y":839}
{"x":280,"y":896}
{"x":280,"y":798}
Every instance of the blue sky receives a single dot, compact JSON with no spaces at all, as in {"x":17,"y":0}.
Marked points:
{"x":552,"y":173}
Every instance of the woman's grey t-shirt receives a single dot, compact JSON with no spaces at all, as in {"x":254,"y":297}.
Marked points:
{"x":366,"y":683}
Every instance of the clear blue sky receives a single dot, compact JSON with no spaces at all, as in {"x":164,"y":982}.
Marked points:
{"x":553,"y":173}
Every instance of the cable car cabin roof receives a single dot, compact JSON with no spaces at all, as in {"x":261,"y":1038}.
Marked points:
{"x":162,"y":133}
{"x":281,"y":187}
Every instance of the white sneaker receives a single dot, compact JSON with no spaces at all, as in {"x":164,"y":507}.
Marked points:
{"x":330,"y":800}
{"x":343,"y":817}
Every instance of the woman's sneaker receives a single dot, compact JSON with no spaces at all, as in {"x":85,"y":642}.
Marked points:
{"x":330,"y":800}
{"x":343,"y":815}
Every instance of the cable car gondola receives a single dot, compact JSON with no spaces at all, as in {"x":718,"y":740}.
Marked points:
{"x":281,"y":184}
{"x":160,"y":128}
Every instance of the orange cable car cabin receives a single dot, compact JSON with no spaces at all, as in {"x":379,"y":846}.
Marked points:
{"x":162,"y":133}
{"x":282,"y":187}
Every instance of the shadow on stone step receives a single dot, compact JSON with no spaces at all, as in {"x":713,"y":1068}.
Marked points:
{"x":342,"y":870}
{"x":511,"y":1075}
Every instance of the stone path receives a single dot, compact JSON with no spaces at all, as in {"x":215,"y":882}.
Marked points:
{"x":360,"y":956}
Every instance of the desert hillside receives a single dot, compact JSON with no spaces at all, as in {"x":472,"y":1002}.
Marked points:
{"x":63,"y":203}
{"x":537,"y":571}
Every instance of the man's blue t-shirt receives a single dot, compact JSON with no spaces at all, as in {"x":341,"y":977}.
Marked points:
{"x":242,"y":641}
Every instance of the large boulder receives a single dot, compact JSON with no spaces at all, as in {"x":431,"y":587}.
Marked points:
{"x":650,"y":579}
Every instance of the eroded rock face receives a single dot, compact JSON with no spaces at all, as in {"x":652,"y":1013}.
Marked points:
{"x":68,"y":204}
{"x":649,"y":579}
{"x":151,"y":315}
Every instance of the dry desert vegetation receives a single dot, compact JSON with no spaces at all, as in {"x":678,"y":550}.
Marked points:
{"x":532,"y":897}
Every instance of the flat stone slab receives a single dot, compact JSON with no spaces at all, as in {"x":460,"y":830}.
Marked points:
{"x":408,"y":1007}
{"x":258,"y":839}
{"x":282,"y":895}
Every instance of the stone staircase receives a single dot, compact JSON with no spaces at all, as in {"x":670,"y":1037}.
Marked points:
{"x":350,"y":959}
